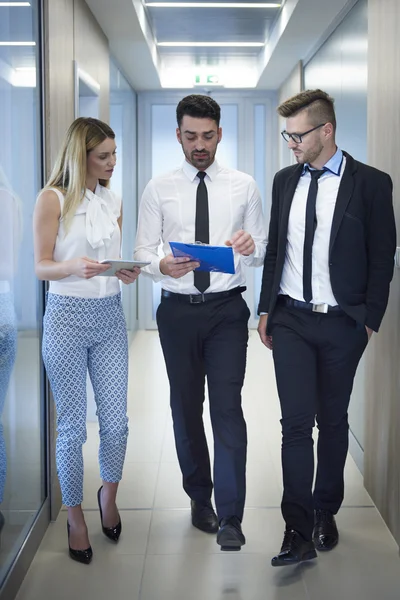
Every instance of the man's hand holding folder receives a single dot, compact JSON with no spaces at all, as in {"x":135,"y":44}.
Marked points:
{"x":242,"y":243}
{"x":189,"y":257}
{"x":177,"y":267}
{"x":210,"y":258}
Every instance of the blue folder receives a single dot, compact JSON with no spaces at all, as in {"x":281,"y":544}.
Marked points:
{"x":211,"y":258}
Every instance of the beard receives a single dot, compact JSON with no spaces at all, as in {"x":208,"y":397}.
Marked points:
{"x":201,"y":162}
{"x":310,"y":155}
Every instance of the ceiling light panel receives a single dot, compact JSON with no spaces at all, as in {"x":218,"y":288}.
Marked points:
{"x":206,"y":26}
{"x":212,"y":5}
{"x":210,"y":44}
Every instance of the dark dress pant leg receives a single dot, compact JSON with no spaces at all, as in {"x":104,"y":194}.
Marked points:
{"x":180,"y":327}
{"x":295,"y":359}
{"x":225,"y":351}
{"x":343,"y":342}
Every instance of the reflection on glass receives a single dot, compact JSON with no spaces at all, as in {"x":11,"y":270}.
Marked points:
{"x":21,"y":443}
{"x":9,"y":242}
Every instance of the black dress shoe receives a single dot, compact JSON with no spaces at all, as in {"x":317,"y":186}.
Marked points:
{"x":82,"y":556}
{"x":112,"y":533}
{"x":204,"y":517}
{"x":295,"y":549}
{"x":326,"y":535}
{"x":230,"y":536}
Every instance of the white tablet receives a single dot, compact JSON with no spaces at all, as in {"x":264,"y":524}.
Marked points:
{"x":118,"y":264}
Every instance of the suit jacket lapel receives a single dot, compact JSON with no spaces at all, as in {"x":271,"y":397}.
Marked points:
{"x":289,"y":190}
{"x":343,"y":198}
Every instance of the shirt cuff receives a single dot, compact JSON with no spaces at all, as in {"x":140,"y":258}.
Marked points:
{"x":153,"y":271}
{"x":249,"y":258}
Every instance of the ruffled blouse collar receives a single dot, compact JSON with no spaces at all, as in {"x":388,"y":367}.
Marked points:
{"x":100,"y":218}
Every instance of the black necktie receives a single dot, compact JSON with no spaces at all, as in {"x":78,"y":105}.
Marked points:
{"x":311,"y":225}
{"x":202,"y":230}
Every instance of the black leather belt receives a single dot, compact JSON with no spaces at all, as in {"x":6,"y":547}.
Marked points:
{"x":317,"y":308}
{"x":200,"y":298}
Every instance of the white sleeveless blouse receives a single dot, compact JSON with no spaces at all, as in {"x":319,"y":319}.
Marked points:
{"x":94,"y":232}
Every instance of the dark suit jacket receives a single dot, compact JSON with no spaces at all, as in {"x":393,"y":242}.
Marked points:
{"x":362,"y":242}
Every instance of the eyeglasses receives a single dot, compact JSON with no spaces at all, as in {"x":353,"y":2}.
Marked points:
{"x":298,"y":137}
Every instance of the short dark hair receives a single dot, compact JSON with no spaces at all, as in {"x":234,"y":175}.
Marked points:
{"x":319,"y":105}
{"x":201,"y":107}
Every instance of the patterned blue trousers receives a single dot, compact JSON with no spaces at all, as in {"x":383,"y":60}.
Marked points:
{"x":8,"y":350}
{"x":80,"y":335}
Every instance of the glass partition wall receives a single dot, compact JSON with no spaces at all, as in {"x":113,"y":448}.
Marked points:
{"x":22,"y":398}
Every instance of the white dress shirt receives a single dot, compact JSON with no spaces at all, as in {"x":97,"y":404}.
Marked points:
{"x":167,"y":214}
{"x":292,"y":275}
{"x":94,"y":232}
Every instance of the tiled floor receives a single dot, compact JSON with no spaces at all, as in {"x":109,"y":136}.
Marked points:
{"x":162,"y":557}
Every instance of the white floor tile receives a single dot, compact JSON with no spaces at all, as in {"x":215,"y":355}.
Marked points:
{"x":146,"y":437}
{"x":364,"y":565}
{"x":160,"y":555}
{"x":136,"y":489}
{"x":217,"y":577}
{"x":263,"y":486}
{"x":169,"y":450}
{"x":169,"y":492}
{"x":354,"y":492}
{"x":54,"y":575}
{"x":171,"y":532}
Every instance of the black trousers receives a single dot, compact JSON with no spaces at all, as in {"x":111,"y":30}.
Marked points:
{"x":316,"y":357}
{"x":199,"y":340}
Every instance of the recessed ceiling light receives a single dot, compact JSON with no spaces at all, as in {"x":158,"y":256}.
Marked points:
{"x":14,"y":3}
{"x":211,"y":44}
{"x":17,"y":43}
{"x":213,"y":4}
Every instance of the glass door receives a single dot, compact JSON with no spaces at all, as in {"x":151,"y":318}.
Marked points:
{"x":22,"y":398}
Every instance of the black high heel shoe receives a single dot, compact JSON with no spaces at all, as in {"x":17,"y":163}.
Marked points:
{"x":112,"y":533}
{"x":82,"y":556}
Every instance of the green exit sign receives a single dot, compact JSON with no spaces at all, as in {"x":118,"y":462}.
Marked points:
{"x":204,"y":79}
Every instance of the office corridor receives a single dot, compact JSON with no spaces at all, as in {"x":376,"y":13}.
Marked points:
{"x":162,"y":557}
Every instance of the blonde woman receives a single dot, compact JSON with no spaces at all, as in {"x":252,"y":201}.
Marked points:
{"x":77,"y":224}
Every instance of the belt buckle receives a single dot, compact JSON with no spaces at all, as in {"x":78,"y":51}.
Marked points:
{"x":196,"y":298}
{"x":320,"y":308}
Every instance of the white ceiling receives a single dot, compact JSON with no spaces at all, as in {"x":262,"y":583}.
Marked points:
{"x":211,"y":24}
{"x":288,"y":33}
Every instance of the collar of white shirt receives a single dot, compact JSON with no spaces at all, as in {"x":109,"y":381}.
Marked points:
{"x":191,"y":171}
{"x":334,"y":164}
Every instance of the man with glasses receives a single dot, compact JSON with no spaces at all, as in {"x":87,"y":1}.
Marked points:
{"x":324,"y":291}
